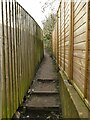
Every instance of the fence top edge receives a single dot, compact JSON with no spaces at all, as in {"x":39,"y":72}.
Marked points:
{"x":28,"y":13}
{"x":23,"y":9}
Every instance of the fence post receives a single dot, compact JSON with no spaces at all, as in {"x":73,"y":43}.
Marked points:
{"x":57,"y":37}
{"x":71,"y":42}
{"x":64,"y":37}
{"x":60,"y":35}
{"x":0,"y":64}
{"x":87,"y":48}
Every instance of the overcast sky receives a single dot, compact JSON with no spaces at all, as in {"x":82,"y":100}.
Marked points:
{"x":34,"y":8}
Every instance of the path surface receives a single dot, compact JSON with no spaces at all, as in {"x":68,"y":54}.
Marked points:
{"x":42,"y":101}
{"x":47,"y":68}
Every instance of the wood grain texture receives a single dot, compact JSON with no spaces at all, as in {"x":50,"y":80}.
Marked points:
{"x":80,"y":14}
{"x":22,"y":51}
{"x":79,"y":45}
{"x":80,"y":7}
{"x":0,"y":68}
{"x":67,"y":36}
{"x":88,"y":77}
{"x":80,"y":30}
{"x":74,"y":43}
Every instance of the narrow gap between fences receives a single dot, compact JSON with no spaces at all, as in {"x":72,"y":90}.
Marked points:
{"x":43,"y":99}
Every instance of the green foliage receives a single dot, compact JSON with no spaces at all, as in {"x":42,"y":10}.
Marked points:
{"x":48,"y":26}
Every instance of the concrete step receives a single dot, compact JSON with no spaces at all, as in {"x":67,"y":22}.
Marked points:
{"x":42,"y":101}
{"x":47,"y":80}
{"x":45,"y":92}
{"x":45,"y":85}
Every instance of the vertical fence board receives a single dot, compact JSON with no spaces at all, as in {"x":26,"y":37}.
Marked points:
{"x":4,"y":103}
{"x":87,"y":50}
{"x":59,"y":36}
{"x":10,"y":58}
{"x":79,"y":49}
{"x":0,"y":62}
{"x":7,"y":64}
{"x":87,"y":87}
{"x":64,"y":39}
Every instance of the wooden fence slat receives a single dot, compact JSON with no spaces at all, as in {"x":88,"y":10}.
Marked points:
{"x":0,"y":62}
{"x":3,"y":66}
{"x":7,"y":65}
{"x":10,"y":57}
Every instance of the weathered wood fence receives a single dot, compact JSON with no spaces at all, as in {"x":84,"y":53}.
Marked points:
{"x":21,"y":50}
{"x":71,"y":44}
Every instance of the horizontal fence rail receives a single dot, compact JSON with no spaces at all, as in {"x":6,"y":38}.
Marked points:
{"x":71,"y":44}
{"x":21,"y":51}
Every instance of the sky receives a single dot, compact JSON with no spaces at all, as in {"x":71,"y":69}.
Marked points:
{"x":34,"y":7}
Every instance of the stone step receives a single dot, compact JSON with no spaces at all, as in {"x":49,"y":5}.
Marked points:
{"x":45,"y":92}
{"x":47,"y":80}
{"x":46,"y":108}
{"x":42,"y":101}
{"x":45,"y":85}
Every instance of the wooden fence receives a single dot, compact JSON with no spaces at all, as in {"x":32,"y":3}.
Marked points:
{"x":71,"y":44}
{"x":21,"y":51}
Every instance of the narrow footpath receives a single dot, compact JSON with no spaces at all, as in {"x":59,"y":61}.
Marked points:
{"x":42,"y":100}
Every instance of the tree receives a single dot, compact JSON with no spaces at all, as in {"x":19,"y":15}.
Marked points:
{"x":48,"y":26}
{"x":51,"y":5}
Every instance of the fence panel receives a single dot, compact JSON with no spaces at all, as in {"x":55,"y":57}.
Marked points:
{"x":74,"y":44}
{"x":79,"y":44}
{"x":21,"y":51}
